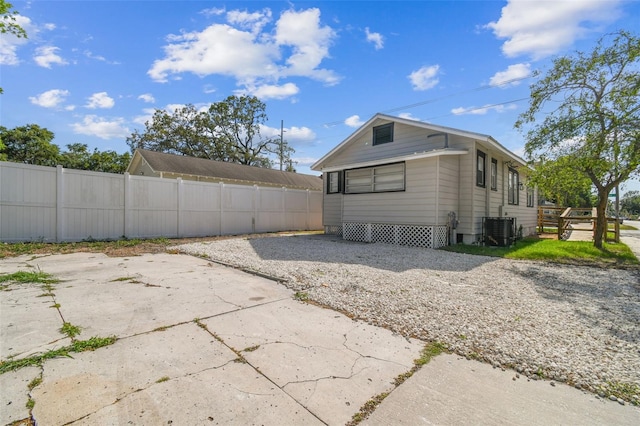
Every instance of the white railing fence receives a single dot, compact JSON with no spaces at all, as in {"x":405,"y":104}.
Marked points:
{"x":56,"y":204}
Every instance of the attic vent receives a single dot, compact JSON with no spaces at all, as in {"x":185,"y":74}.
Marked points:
{"x":383,"y":134}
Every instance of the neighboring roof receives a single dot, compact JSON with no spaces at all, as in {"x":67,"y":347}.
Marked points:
{"x":421,"y":124}
{"x":161,"y":162}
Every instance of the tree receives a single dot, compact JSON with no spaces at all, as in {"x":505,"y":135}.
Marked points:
{"x":78,"y":157}
{"x":227,"y":131}
{"x":557,"y":181}
{"x":593,"y":116}
{"x":630,"y":203}
{"x":30,"y":144}
{"x":8,"y":24}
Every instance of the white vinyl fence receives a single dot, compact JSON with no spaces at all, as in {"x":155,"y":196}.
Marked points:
{"x":56,"y":204}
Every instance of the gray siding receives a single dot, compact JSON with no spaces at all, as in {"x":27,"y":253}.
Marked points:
{"x":332,"y":209}
{"x":416,"y":205}
{"x":448,"y":184}
{"x":406,"y":140}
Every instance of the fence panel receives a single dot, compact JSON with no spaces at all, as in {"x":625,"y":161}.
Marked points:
{"x":92,"y":205}
{"x":56,"y":204}
{"x":28,"y":203}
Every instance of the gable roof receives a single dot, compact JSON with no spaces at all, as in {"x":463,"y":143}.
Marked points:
{"x":318,"y":165}
{"x":161,"y":162}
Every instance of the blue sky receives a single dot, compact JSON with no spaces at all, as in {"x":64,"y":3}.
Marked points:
{"x":93,"y":71}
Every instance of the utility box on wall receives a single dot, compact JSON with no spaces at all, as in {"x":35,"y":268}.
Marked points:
{"x":499,"y":231}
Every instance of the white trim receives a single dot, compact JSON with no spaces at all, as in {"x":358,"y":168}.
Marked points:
{"x":317,"y":166}
{"x":389,"y":160}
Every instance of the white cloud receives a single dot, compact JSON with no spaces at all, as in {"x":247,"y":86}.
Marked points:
{"x":543,"y":28}
{"x":408,"y":116}
{"x":100,"y":100}
{"x":46,"y":55}
{"x":252,"y":54}
{"x":148,"y":115}
{"x":300,"y":134}
{"x":254,"y":22}
{"x":9,"y":43}
{"x":376,"y":38}
{"x":354,"y":121}
{"x":270,"y":91}
{"x":305,"y":161}
{"x":50,"y":98}
{"x":483,"y":109}
{"x":49,"y":26}
{"x":310,"y":42}
{"x":93,"y":125}
{"x":214,"y":11}
{"x":147,"y":97}
{"x":425,"y":78}
{"x":511,"y":76}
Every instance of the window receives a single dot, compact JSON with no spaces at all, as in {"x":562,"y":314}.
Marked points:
{"x":333,"y":182}
{"x":494,"y":174}
{"x":480,"y":174}
{"x":514,"y":182}
{"x":375,"y":179}
{"x":530,"y":197}
{"x":383,"y":134}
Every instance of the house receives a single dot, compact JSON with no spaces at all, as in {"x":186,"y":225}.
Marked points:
{"x":402,"y":181}
{"x":159,"y":164}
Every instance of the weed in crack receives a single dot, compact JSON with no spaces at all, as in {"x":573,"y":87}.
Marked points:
{"x":37,"y":360}
{"x":70,"y":330}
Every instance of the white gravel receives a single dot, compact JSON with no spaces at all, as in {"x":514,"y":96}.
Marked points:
{"x":579,"y":325}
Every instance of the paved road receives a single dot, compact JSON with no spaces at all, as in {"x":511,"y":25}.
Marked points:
{"x":632,"y":238}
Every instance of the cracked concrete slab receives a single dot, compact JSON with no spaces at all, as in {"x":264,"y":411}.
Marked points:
{"x":233,"y":394}
{"x":127,"y":296}
{"x":73,"y":388}
{"x":328,"y":362}
{"x":14,"y":394}
{"x":29,"y":322}
{"x":451,"y":390}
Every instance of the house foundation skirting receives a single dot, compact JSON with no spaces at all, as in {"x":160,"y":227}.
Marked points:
{"x":428,"y":236}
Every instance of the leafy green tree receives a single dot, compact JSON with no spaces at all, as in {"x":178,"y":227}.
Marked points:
{"x":630,"y":203}
{"x":591,"y":108}
{"x":30,"y":144}
{"x":227,"y":131}
{"x":3,"y":155}
{"x":8,"y":24}
{"x":559,"y":182}
{"x":78,"y":156}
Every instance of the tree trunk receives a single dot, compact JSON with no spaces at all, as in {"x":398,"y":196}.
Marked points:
{"x":601,"y":221}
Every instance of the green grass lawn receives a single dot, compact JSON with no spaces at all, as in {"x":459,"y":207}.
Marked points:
{"x":574,"y":252}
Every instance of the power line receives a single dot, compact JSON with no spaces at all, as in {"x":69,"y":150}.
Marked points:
{"x":430,"y":101}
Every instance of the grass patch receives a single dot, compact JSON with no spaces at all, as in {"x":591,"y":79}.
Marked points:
{"x":34,"y":383}
{"x":25,"y":277}
{"x":30,"y":404}
{"x":37,"y":360}
{"x":428,"y":352}
{"x":251,"y":348}
{"x":581,"y":252}
{"x":629,"y":392}
{"x":123,"y":279}
{"x":70,"y":330}
{"x":301,"y":296}
{"x":163,"y":379}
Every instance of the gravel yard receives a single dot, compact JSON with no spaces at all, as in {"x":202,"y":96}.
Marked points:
{"x":579,"y":325}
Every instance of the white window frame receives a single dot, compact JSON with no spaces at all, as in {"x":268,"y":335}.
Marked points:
{"x":494,"y":174}
{"x":513,"y":190}
{"x":333,"y":183}
{"x":481,"y":169}
{"x":386,"y":178}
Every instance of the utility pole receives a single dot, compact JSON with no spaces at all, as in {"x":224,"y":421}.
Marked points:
{"x":281,"y":143}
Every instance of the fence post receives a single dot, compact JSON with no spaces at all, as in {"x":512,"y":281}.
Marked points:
{"x":59,"y":203}
{"x":283,"y":220}
{"x":126,"y":219}
{"x":308,"y":221}
{"x":256,"y":199}
{"x":179,"y":207}
{"x":221,"y":207}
